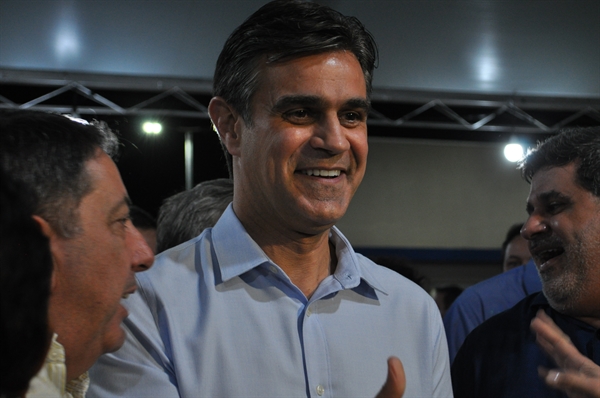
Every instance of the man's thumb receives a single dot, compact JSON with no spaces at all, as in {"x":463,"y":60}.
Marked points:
{"x":395,"y":383}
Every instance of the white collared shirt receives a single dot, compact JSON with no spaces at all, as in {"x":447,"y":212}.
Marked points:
{"x":51,"y":380}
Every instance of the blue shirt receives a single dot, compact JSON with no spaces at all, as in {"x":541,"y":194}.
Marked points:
{"x":500,"y":358}
{"x":486,"y":299}
{"x":215,"y":317}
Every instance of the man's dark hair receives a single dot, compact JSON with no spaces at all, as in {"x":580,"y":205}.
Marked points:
{"x":47,"y":152}
{"x":185,"y":215}
{"x":280,"y":31}
{"x":141,"y":219}
{"x":25,"y":273}
{"x":513,"y":232}
{"x":579,"y":145}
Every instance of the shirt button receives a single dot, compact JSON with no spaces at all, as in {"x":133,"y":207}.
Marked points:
{"x":273,"y":269}
{"x":320,"y":390}
{"x":308,"y":312}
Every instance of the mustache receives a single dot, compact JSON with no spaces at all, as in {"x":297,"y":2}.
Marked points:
{"x":544,"y":242}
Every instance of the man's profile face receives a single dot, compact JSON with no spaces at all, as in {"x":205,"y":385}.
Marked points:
{"x":563,"y":230}
{"x":305,"y":154}
{"x":95,"y":268}
{"x":516,"y":253}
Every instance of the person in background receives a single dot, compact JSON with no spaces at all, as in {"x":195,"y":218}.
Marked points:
{"x":273,"y":300}
{"x":445,"y":296}
{"x":494,"y":295}
{"x":25,"y":273}
{"x":82,"y":207}
{"x":185,"y":215}
{"x":559,"y":328}
{"x":146,"y":224}
{"x":515,"y":251}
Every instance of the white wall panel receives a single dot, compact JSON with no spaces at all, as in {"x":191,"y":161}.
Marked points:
{"x":435,"y":195}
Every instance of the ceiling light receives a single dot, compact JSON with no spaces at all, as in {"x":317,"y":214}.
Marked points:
{"x":514,"y":152}
{"x":152,"y":128}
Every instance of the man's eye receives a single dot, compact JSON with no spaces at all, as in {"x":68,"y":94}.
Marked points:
{"x":554,"y":207}
{"x":352,"y":117}
{"x":302,"y":115}
{"x":297,"y":113}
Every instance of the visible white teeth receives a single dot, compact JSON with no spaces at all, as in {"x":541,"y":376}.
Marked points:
{"x":322,"y":173}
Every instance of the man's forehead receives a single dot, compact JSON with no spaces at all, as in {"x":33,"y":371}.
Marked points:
{"x":558,"y":183}
{"x":553,"y":177}
{"x":294,"y":79}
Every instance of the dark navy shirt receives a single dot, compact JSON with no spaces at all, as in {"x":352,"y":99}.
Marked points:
{"x":486,"y":299}
{"x":500,"y":358}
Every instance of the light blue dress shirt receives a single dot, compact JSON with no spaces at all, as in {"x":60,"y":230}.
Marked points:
{"x":215,"y":317}
{"x":486,"y":299}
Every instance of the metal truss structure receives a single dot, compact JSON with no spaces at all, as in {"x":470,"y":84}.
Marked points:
{"x":394,"y":113}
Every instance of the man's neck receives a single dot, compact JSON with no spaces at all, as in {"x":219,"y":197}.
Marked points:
{"x":306,"y":262}
{"x":301,"y":250}
{"x":59,"y":322}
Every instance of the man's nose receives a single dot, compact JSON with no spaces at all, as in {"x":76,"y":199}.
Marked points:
{"x":330,"y":135}
{"x":142,"y":256}
{"x":533,"y":226}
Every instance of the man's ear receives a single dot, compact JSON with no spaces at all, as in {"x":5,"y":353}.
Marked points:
{"x":52,"y":236}
{"x":227,"y":122}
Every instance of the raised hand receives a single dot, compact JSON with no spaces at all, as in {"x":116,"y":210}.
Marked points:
{"x":577,"y":375}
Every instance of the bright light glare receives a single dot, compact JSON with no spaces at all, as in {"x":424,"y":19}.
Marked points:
{"x":513,"y":152}
{"x":67,"y":38}
{"x":152,"y":128}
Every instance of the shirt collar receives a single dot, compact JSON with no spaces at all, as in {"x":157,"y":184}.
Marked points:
{"x":56,"y":372}
{"x":230,"y":233}
{"x":350,"y":270}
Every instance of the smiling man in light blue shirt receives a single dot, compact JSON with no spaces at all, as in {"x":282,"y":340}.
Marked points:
{"x":273,"y":301}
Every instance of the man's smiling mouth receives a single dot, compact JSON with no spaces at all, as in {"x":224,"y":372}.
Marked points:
{"x":321,"y":173}
{"x":548,"y":255}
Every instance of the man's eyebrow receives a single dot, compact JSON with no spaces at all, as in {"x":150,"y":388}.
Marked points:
{"x":553,"y":195}
{"x":359,"y":103}
{"x":314,"y":101}
{"x":119,"y":205}
{"x":546,"y":197}
{"x":288,"y":101}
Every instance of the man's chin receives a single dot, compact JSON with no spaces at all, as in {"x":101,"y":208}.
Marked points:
{"x":115,"y":340}
{"x":562,"y":294}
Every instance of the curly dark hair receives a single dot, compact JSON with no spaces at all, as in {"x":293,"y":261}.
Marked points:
{"x":579,"y":145}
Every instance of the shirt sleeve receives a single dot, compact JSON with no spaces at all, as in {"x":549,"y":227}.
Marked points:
{"x":141,"y":368}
